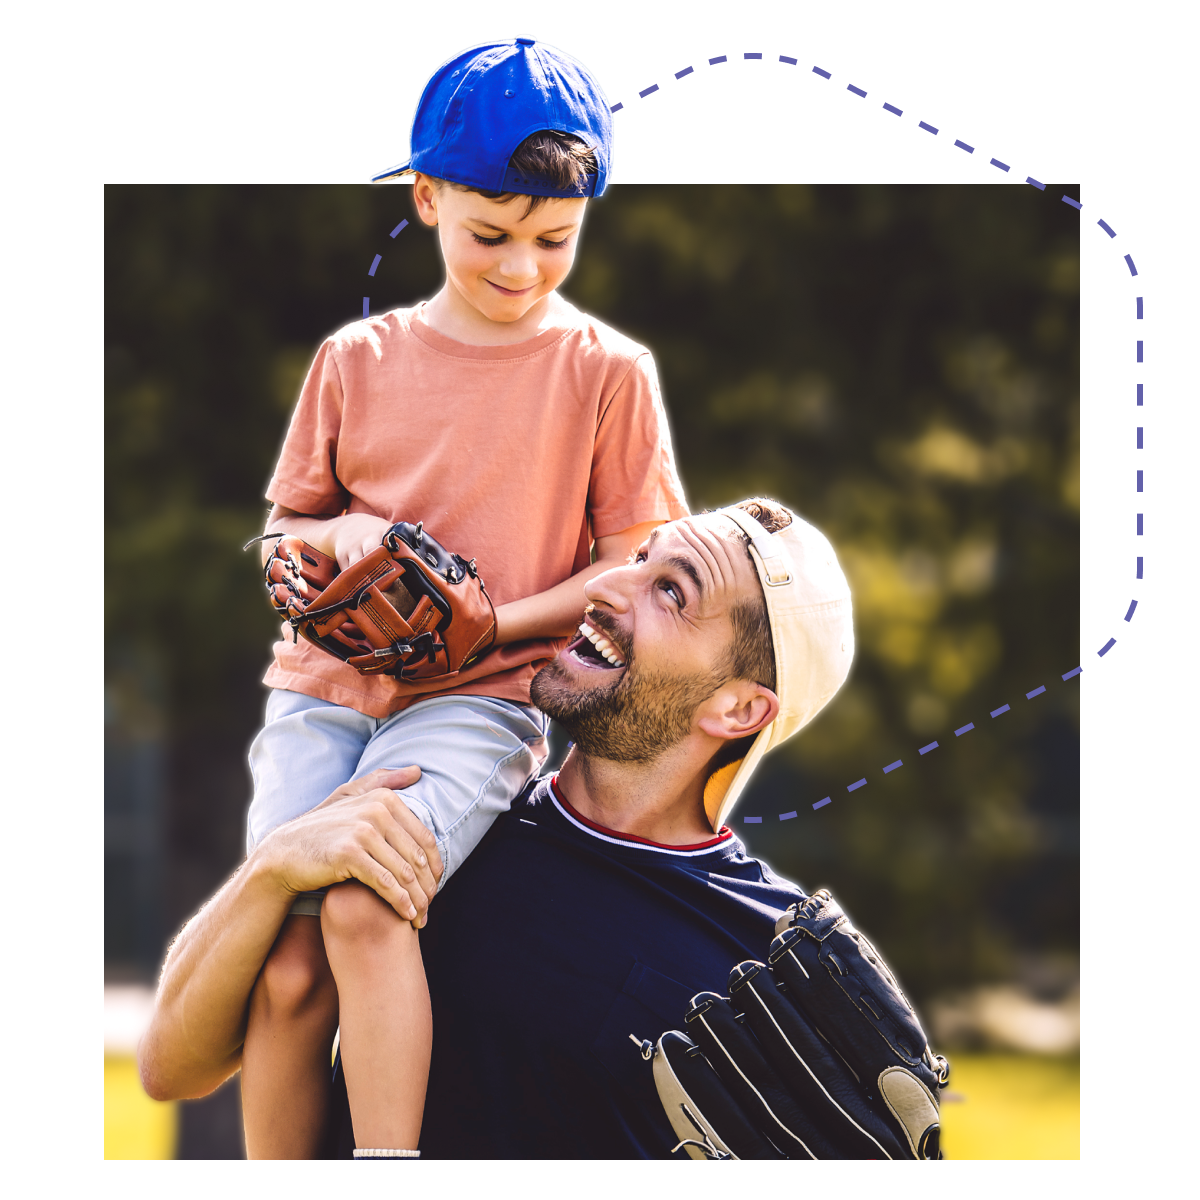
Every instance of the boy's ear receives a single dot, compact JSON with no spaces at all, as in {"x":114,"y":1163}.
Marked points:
{"x":425,"y":198}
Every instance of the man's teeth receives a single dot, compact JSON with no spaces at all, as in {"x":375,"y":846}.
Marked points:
{"x":603,"y":646}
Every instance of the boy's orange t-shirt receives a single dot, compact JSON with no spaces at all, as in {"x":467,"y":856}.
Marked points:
{"x":517,"y":456}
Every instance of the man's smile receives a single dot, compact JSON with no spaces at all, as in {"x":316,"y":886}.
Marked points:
{"x":594,"y":650}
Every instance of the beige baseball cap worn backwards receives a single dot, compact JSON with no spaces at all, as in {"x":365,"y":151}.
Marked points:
{"x":808,"y":606}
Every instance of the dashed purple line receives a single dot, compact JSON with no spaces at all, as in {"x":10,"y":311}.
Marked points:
{"x":403,"y":224}
{"x":1140,"y":477}
{"x":1139,"y":395}
{"x":615,"y":107}
{"x":1139,"y":351}
{"x":1139,"y":308}
{"x":1030,"y":180}
{"x":366,"y":307}
{"x":1139,"y":567}
{"x":1139,"y":437}
{"x":375,"y":264}
{"x":853,"y":787}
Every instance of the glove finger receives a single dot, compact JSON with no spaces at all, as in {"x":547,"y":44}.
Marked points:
{"x":828,"y":966}
{"x":739,"y":1060}
{"x":700,"y":1107}
{"x":822,"y":1084}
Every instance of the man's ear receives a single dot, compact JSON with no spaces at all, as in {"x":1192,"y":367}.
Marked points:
{"x":738,"y":709}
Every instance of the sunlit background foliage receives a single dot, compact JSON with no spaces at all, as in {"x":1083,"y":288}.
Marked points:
{"x":900,"y":364}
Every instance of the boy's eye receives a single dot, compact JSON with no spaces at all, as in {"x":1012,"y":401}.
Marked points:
{"x":496,"y":241}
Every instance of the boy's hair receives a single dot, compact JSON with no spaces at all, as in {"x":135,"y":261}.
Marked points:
{"x":561,"y":160}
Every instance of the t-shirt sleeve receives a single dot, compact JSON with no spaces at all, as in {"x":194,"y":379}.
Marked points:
{"x":634,"y":477}
{"x":305,"y":477}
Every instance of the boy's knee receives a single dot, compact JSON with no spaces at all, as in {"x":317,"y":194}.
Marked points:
{"x":353,"y":914}
{"x":296,"y":974}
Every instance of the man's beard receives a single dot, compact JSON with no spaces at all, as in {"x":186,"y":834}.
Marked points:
{"x":634,"y":720}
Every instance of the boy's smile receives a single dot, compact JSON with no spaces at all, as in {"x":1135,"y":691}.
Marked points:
{"x":503,"y":262}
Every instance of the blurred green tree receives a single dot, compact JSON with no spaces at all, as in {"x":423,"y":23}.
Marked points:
{"x":900,"y":364}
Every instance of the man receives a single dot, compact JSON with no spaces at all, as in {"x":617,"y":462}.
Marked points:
{"x":607,"y":896}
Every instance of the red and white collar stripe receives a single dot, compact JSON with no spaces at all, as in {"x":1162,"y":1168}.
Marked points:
{"x":616,"y":838}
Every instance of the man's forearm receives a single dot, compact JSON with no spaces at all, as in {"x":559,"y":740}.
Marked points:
{"x":195,"y":1037}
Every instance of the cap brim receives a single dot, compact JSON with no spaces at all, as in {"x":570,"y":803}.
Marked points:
{"x":393,"y":172}
{"x":724,"y":787}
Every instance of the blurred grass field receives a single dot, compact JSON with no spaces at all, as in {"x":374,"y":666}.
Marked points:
{"x":1012,"y":1106}
{"x":134,"y":1125}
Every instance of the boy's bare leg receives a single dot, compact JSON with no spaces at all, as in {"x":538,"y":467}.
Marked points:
{"x":386,"y":1023}
{"x":289,"y":1034}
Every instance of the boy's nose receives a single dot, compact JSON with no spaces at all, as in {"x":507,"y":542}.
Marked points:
{"x":520,"y":266}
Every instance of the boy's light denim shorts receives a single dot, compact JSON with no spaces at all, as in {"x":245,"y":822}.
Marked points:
{"x":475,"y":754}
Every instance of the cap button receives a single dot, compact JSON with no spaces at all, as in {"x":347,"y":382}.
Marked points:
{"x":524,"y":41}
{"x":509,"y":92}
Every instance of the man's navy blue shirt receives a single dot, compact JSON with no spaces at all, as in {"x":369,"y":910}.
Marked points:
{"x":554,"y":942}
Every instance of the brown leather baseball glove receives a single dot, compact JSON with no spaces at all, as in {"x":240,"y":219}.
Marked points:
{"x":411,"y":608}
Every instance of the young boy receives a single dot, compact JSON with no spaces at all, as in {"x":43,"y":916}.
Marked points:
{"x":524,"y":434}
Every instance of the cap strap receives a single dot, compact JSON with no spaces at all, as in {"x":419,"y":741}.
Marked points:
{"x":777,"y":568}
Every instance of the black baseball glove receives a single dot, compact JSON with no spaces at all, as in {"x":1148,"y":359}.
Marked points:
{"x":816,"y":1055}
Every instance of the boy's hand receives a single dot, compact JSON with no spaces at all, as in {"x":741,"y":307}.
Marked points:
{"x":355,"y":535}
{"x":363,"y":831}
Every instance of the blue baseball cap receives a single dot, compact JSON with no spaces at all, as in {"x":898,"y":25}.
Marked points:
{"x":482,"y":104}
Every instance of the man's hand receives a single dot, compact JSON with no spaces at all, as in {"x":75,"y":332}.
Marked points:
{"x":363,"y":831}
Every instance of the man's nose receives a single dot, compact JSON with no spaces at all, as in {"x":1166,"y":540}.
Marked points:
{"x":612,"y":588}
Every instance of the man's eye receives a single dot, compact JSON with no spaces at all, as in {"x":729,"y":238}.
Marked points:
{"x":675,"y":594}
{"x":483,"y":241}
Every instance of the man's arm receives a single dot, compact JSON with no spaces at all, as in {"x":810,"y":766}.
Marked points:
{"x":363,"y":831}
